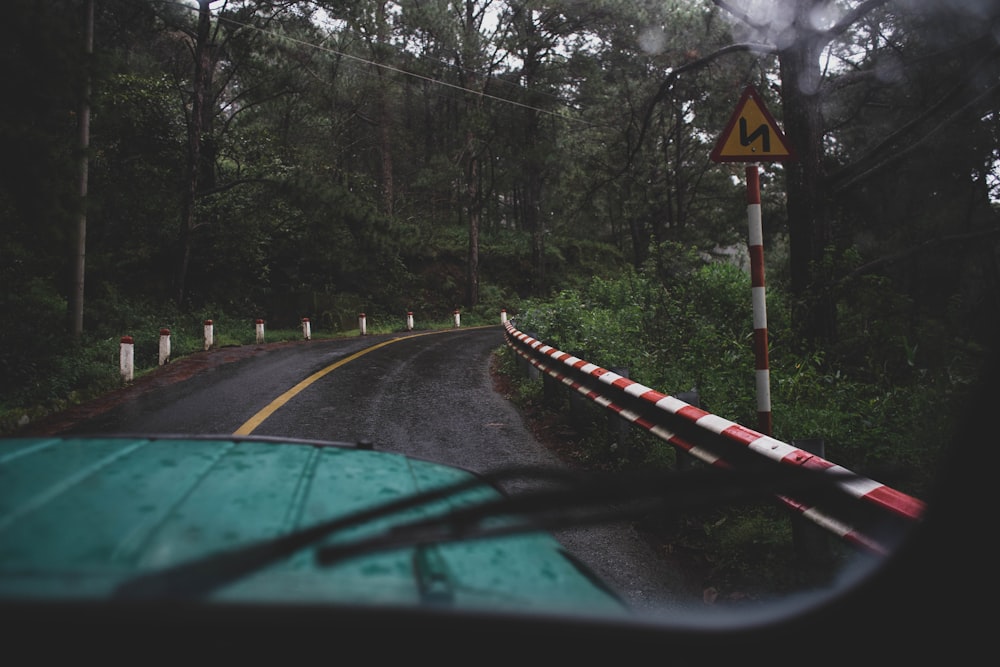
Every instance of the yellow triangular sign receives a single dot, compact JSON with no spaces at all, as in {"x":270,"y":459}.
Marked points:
{"x":752,"y":134}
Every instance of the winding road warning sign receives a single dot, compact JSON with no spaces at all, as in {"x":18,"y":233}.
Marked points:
{"x":752,"y":134}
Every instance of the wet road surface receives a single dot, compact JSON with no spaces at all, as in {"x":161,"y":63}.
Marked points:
{"x":424,"y":394}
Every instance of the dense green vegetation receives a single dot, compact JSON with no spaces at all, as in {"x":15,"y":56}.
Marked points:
{"x":691,"y":331}
{"x":289,"y":159}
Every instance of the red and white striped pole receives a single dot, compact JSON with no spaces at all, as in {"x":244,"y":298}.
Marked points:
{"x":762,"y":373}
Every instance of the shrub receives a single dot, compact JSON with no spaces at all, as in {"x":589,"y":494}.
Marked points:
{"x":877,"y":411}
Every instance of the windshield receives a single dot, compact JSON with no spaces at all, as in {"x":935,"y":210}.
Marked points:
{"x":678,"y":251}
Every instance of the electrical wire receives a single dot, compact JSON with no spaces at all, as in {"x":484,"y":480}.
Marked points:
{"x":391,"y":68}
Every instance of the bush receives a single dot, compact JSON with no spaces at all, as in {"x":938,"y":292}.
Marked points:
{"x":876,"y":413}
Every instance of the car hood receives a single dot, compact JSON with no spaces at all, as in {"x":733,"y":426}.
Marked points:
{"x":82,"y":516}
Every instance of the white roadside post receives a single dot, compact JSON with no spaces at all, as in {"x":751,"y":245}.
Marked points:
{"x":209,"y":334}
{"x":164,"y":346}
{"x":362,"y":324}
{"x":409,"y":320}
{"x":126,"y":358}
{"x":260,"y":331}
{"x":306,"y":329}
{"x":458,"y":319}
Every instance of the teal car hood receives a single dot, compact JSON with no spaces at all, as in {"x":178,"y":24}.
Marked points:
{"x":82,"y":517}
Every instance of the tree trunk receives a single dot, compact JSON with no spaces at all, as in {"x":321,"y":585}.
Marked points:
{"x":472,"y":198}
{"x":385,"y":141}
{"x":808,"y":223}
{"x":534,"y":164}
{"x":384,"y":117}
{"x":196,"y":128}
{"x":533,"y":215}
{"x":471,"y":57}
{"x":76,"y":307}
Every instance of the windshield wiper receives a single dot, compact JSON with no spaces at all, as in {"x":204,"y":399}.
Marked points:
{"x":203,"y":575}
{"x":564,"y":501}
{"x":559,"y":499}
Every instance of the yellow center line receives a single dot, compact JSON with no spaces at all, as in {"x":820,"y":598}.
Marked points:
{"x":251,"y":424}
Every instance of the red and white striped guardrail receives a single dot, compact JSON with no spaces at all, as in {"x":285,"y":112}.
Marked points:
{"x":665,"y":415}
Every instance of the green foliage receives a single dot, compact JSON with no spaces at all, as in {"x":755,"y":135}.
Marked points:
{"x":43,"y":368}
{"x":691,"y":334}
{"x":694,"y":331}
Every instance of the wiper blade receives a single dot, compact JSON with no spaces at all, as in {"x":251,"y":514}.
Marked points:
{"x":203,"y":575}
{"x":559,"y":499}
{"x":576,"y":500}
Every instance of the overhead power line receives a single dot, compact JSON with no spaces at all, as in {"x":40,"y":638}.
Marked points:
{"x":391,"y":68}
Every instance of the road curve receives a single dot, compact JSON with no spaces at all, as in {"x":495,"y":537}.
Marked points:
{"x":424,"y":394}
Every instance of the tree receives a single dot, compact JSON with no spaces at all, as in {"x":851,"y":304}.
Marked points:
{"x":214,"y":91}
{"x":818,"y":61}
{"x":40,"y":126}
{"x":469,"y":44}
{"x":76,"y":300}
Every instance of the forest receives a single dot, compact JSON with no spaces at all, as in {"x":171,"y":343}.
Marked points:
{"x":170,"y":161}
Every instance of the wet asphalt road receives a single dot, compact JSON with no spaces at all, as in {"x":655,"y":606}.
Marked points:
{"x":424,"y":394}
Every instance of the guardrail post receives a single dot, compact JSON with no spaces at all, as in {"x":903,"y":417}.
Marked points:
{"x":519,"y":362}
{"x":618,"y":428}
{"x":578,"y":403}
{"x":164,"y":346}
{"x":126,"y":358}
{"x":260,"y":330}
{"x":533,"y":372}
{"x":811,"y":541}
{"x":578,"y":410}
{"x":209,"y":334}
{"x":550,"y":389}
{"x":306,"y":329}
{"x":683,"y":459}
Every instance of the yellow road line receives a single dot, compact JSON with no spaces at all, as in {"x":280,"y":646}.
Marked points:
{"x":251,"y":424}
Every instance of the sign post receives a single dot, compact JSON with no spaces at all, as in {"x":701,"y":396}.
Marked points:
{"x":753,"y":136}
